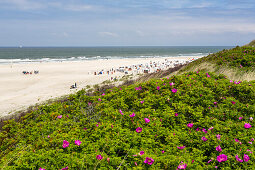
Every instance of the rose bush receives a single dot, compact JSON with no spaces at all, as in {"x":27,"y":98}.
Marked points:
{"x":188,"y":121}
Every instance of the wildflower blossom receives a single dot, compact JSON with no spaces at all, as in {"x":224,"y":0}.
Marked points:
{"x":190,"y":125}
{"x":237,"y":140}
{"x":182,"y":166}
{"x":60,"y":116}
{"x":238,"y":159}
{"x":171,"y":84}
{"x":77,"y":142}
{"x":181,"y":147}
{"x":66,"y":168}
{"x":65,"y":144}
{"x":141,"y":152}
{"x":246,"y":158}
{"x":142,"y":101}
{"x":139,"y":129}
{"x":146,"y":120}
{"x":41,"y":169}
{"x":233,"y":102}
{"x":132,"y":115}
{"x":158,"y":87}
{"x":149,"y":161}
{"x":204,"y":130}
{"x":99,"y":157}
{"x":163,"y":151}
{"x":135,"y":164}
{"x":222,"y":158}
{"x":174,"y":90}
{"x":218,"y":148}
{"x":138,"y":88}
{"x":204,"y":139}
{"x":121,"y":111}
{"x":99,"y":99}
{"x":240,"y":118}
{"x":247,"y":125}
{"x":218,"y":136}
{"x":103,"y":94}
{"x":176,"y":114}
{"x":211,"y":128}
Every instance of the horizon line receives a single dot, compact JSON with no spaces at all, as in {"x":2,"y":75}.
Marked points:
{"x":119,"y":46}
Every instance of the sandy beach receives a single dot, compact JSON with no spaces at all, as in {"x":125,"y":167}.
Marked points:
{"x":19,"y":91}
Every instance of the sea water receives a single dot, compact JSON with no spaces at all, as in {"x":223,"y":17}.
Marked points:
{"x":61,"y":54}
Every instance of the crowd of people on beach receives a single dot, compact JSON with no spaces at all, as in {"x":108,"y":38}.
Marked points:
{"x":30,"y":72}
{"x":150,"y":67}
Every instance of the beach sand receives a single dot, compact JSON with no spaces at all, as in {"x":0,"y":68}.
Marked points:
{"x":19,"y":91}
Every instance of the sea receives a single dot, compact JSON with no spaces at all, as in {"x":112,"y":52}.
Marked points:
{"x":19,"y":55}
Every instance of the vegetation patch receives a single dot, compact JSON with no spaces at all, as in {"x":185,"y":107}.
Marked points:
{"x":197,"y":120}
{"x":237,"y":63}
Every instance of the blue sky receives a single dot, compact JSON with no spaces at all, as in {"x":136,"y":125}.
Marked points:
{"x":126,"y":22}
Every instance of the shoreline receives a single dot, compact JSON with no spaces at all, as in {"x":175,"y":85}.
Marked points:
{"x":53,"y":80}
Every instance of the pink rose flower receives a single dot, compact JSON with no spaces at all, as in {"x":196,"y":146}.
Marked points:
{"x":77,"y":142}
{"x":121,"y":111}
{"x":146,"y":120}
{"x":99,"y":157}
{"x":182,"y":166}
{"x":247,"y":125}
{"x":141,"y":152}
{"x":132,"y":115}
{"x":65,"y":144}
{"x":222,"y":158}
{"x":204,"y":130}
{"x":218,"y":148}
{"x":139,"y":129}
{"x":149,"y":161}
{"x":208,"y":75}
{"x":190,"y":125}
{"x":174,"y":90}
{"x":211,"y":128}
{"x":246,"y":158}
{"x":181,"y":147}
{"x":238,"y":159}
{"x":204,"y":139}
